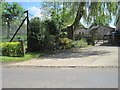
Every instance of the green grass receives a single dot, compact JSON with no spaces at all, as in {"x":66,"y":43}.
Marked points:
{"x":27,"y":57}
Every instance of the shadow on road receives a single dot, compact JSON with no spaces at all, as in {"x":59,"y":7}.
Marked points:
{"x":76,"y":54}
{"x":110,"y":45}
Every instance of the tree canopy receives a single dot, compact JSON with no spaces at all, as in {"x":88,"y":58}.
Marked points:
{"x":11,"y":12}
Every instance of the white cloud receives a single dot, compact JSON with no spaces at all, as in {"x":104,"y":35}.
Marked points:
{"x":38,"y":12}
{"x":35,"y":11}
{"x":61,"y":5}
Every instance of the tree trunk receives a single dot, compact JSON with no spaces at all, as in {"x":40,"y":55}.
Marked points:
{"x":8,"y":30}
{"x":70,"y":29}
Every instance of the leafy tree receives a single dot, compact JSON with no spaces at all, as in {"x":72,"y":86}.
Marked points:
{"x":11,"y":12}
{"x":101,"y":13}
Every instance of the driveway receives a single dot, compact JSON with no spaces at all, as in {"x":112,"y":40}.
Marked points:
{"x":91,"y":56}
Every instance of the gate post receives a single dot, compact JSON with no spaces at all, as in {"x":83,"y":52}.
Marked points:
{"x":22,"y":46}
{"x":93,"y":39}
{"x":27,"y":31}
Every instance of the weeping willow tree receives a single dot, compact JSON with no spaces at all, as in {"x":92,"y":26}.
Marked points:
{"x":94,"y":13}
{"x":101,"y":13}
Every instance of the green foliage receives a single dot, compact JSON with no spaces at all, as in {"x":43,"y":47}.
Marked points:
{"x":12,"y":49}
{"x":11,"y":11}
{"x":36,"y":34}
{"x":101,"y":12}
{"x":65,"y":43}
{"x":79,"y":43}
{"x":63,"y":34}
{"x":88,"y":38}
{"x":51,"y":27}
{"x":42,"y":35}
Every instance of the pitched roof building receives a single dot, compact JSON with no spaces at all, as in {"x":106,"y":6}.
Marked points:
{"x":101,"y":30}
{"x":81,"y":30}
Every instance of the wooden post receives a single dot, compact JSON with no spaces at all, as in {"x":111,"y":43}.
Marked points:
{"x":108,"y":39}
{"x":93,"y":40}
{"x":22,"y":46}
{"x":103,"y":38}
{"x":113,"y":39}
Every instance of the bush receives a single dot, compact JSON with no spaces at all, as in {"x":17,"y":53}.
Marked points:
{"x":12,"y":49}
{"x":65,"y":43}
{"x":34,"y":34}
{"x":42,"y":35}
{"x":51,"y":27}
{"x":89,"y":38}
{"x":63,"y":34}
{"x":79,"y":43}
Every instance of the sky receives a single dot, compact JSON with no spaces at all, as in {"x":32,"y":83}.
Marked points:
{"x":32,"y":7}
{"x":35,"y":10}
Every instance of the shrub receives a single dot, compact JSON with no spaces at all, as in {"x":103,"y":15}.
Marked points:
{"x":89,"y":38}
{"x":63,"y":34}
{"x":42,"y":35}
{"x":79,"y":43}
{"x":12,"y":49}
{"x":65,"y":43}
{"x":34,"y":34}
{"x":51,"y":27}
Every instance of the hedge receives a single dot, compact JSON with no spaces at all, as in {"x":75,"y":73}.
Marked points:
{"x":12,"y":49}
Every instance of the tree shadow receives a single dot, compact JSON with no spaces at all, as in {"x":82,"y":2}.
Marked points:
{"x":75,"y":54}
{"x":110,"y":45}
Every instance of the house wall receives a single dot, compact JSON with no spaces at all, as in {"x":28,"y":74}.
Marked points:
{"x":81,"y":31}
{"x":118,"y":25}
{"x":104,"y":30}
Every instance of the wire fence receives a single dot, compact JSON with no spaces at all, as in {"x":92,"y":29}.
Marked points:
{"x":7,"y":33}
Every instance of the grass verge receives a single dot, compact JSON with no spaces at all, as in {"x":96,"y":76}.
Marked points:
{"x":14,"y":59}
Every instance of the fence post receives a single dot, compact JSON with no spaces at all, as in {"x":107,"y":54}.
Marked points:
{"x":93,"y":39}
{"x":113,"y":39}
{"x":22,"y":46}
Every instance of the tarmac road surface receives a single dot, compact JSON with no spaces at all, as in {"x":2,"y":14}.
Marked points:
{"x":29,"y":77}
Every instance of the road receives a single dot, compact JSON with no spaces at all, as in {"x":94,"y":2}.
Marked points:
{"x":24,"y":77}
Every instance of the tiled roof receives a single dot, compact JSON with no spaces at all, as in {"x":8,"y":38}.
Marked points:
{"x":96,"y":27}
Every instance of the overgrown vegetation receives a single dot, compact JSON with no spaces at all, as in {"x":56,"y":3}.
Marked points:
{"x":79,"y":43}
{"x":46,"y":36}
{"x":65,"y":43}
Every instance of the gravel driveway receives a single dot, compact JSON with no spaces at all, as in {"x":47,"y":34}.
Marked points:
{"x":92,"y":56}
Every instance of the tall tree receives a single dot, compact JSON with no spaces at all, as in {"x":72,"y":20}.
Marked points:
{"x":96,"y":12}
{"x":11,"y":12}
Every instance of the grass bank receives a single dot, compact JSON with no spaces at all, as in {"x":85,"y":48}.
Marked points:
{"x":14,"y":59}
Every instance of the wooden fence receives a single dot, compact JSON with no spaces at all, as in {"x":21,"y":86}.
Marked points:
{"x":114,"y":39}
